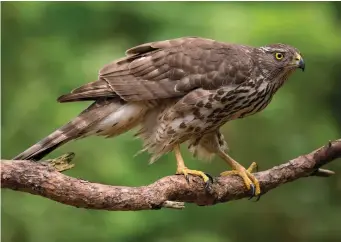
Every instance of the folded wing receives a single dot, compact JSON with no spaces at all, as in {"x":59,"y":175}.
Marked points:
{"x":163,"y":69}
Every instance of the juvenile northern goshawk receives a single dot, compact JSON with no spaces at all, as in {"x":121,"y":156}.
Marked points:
{"x":178,"y":90}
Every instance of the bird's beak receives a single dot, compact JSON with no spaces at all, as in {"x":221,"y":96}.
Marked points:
{"x":299,"y":62}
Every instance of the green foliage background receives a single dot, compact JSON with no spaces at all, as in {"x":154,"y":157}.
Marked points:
{"x":49,"y":48}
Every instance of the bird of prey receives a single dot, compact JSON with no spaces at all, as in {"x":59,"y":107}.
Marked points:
{"x":176,"y":91}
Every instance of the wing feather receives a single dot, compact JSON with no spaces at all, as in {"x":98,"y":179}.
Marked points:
{"x":165,"y":69}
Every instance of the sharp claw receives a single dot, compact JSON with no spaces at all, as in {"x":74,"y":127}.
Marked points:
{"x":258,"y":197}
{"x":253,"y":191}
{"x":209,"y":177}
{"x":208,"y":185}
{"x":209,"y":182}
{"x":187,"y":178}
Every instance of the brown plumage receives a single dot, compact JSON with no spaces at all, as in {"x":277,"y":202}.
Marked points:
{"x":178,"y":90}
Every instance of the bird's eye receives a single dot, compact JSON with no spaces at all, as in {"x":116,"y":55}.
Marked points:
{"x":279,"y":56}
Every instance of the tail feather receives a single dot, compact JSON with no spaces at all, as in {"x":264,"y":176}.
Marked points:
{"x":43,"y":147}
{"x":79,"y":127}
{"x":72,"y":130}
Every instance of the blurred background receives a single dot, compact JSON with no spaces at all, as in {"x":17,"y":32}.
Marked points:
{"x":49,"y":48}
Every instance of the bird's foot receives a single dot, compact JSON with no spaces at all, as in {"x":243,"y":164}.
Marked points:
{"x":250,"y":180}
{"x":206,"y":177}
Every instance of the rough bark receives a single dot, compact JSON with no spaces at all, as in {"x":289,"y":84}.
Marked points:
{"x":171,"y":192}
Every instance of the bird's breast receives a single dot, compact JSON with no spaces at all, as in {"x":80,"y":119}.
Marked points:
{"x":245,"y":101}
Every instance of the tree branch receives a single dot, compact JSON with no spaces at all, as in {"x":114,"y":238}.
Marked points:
{"x":172,"y":191}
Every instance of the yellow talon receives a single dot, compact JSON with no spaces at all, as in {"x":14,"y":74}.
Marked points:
{"x":185,"y":171}
{"x":245,"y":174}
{"x":252,"y":167}
{"x":182,"y":169}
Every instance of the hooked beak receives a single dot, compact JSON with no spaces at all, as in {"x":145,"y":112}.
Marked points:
{"x":299,"y":62}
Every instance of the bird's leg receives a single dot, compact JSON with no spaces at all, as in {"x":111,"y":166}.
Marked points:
{"x":250,"y":180}
{"x":182,"y":169}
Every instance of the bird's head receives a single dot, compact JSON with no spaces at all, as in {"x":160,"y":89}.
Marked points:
{"x":279,"y":59}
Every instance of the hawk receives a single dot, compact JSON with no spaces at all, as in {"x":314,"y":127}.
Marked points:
{"x":176,"y":91}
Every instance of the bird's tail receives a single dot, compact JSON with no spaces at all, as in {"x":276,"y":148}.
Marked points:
{"x":51,"y":142}
{"x":79,"y":127}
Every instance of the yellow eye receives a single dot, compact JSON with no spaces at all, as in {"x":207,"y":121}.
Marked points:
{"x":279,"y":56}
